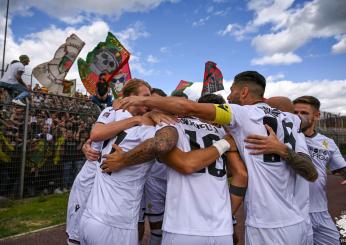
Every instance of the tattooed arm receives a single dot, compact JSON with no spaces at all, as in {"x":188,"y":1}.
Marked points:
{"x":300,"y":162}
{"x":162,"y":146}
{"x":164,"y":141}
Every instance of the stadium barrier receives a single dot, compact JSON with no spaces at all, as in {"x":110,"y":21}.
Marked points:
{"x":40,"y":144}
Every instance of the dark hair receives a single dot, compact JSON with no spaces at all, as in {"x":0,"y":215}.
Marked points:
{"x":179,"y":94}
{"x":310,"y":100}
{"x":158,"y":91}
{"x":131,"y":87}
{"x":212,"y":98}
{"x":252,"y":77}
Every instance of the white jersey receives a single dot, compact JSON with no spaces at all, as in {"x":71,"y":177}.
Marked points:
{"x":323,"y":152}
{"x":198,"y":204}
{"x":10,"y":74}
{"x":269,"y":200}
{"x":83,"y":183}
{"x":115,"y":198}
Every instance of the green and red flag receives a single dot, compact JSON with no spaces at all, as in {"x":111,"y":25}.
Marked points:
{"x":182,"y":86}
{"x":118,"y":81}
{"x":52,"y":73}
{"x":107,"y":57}
{"x":213,"y":79}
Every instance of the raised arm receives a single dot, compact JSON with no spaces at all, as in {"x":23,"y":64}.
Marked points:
{"x":173,"y":105}
{"x":103,"y":131}
{"x":300,"y":162}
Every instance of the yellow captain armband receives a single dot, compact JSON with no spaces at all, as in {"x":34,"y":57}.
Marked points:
{"x":223,"y":114}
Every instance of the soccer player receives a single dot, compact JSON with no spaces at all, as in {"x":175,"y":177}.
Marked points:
{"x":270,"y":144}
{"x":153,"y":200}
{"x":272,"y":215}
{"x":198,"y":208}
{"x":324,"y":152}
{"x":107,"y":126}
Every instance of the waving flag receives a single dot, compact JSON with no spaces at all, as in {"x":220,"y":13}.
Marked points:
{"x":118,"y":81}
{"x":213,"y":79}
{"x":107,"y":57}
{"x":52,"y":74}
{"x":182,"y":86}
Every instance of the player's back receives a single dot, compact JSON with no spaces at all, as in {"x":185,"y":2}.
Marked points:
{"x":198,"y":204}
{"x":115,"y":197}
{"x":269,"y":199}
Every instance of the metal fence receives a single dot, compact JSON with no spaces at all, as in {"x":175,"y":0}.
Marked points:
{"x":40,"y":144}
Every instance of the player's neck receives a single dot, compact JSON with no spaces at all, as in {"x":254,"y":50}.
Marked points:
{"x":310,"y":132}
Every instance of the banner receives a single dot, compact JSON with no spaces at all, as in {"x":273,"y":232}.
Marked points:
{"x":213,"y":79}
{"x":181,"y":87}
{"x":107,"y":57}
{"x":118,"y":81}
{"x":69,"y":87}
{"x":52,"y":74}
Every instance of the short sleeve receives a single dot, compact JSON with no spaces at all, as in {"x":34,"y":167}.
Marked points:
{"x":146,"y":132}
{"x":336,"y":160}
{"x":106,"y":116}
{"x":19,"y":68}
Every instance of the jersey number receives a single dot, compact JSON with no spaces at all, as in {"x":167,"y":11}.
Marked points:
{"x":207,"y":141}
{"x":288,"y":137}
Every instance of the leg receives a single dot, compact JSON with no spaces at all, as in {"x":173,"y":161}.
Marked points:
{"x":325,"y":231}
{"x":23,"y":91}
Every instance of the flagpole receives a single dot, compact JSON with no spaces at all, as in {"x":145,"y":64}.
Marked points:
{"x":3,"y":53}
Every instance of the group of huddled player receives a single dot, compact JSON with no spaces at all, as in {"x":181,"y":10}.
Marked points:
{"x":171,"y":158}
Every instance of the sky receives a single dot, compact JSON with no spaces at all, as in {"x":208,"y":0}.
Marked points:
{"x":299,"y":46}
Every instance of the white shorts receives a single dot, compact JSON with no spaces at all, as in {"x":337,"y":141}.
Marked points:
{"x":309,"y":238}
{"x":325,"y":231}
{"x":289,"y":235}
{"x":79,"y":194}
{"x":94,"y":232}
{"x":153,"y":200}
{"x":179,"y":239}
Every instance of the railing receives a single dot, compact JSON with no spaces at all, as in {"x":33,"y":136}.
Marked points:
{"x":40,"y":144}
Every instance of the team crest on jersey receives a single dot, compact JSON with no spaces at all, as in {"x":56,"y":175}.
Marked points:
{"x":325,"y":144}
{"x":76,"y":207}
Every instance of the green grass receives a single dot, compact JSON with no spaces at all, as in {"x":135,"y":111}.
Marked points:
{"x":31,"y":214}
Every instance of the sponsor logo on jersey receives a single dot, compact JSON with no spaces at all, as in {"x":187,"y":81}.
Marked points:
{"x":320,"y":154}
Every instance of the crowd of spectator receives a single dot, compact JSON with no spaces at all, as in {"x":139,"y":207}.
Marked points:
{"x":57,"y":128}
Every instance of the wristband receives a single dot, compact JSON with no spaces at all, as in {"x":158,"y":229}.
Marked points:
{"x":236,"y":190}
{"x":222,"y":146}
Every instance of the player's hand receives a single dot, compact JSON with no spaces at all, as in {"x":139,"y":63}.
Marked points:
{"x":113,"y":162}
{"x":126,"y":102}
{"x":231,"y":141}
{"x":160,"y":117}
{"x":264,"y":144}
{"x":116,"y":104}
{"x":144,"y":120}
{"x":89,"y":153}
